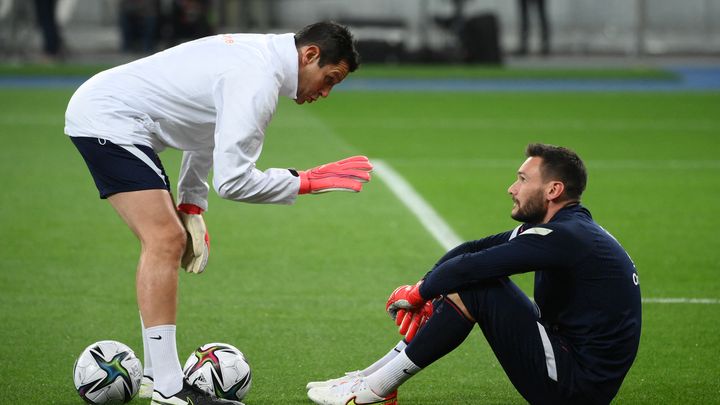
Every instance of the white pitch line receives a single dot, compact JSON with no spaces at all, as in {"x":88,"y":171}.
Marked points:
{"x":680,"y":301}
{"x":446,"y":236}
{"x":438,"y":228}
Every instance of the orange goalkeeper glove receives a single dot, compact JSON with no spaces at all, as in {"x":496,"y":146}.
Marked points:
{"x":405,"y":297}
{"x":197,"y":249}
{"x":410,"y":322}
{"x":344,"y":175}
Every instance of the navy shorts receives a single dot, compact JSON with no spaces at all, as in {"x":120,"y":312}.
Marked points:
{"x":121,"y":168}
{"x":533,"y":360}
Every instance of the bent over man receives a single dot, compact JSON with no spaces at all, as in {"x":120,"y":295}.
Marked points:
{"x":211,"y":98}
{"x":573,"y":345}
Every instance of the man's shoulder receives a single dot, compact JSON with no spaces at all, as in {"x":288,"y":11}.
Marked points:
{"x":540,"y":230}
{"x":574,"y":218}
{"x":565,"y":234}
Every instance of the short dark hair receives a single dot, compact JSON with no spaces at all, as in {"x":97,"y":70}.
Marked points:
{"x":561,"y":164}
{"x":335,"y":41}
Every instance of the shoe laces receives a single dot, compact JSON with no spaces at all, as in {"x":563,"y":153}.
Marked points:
{"x":349,"y":387}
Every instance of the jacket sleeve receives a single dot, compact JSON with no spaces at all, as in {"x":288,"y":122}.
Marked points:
{"x":473,"y":246}
{"x":246,"y":100}
{"x":545,"y":247}
{"x":192,"y":184}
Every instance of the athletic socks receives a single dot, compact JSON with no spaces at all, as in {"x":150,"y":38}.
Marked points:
{"x":168,"y":376}
{"x":147,"y":361}
{"x":399,"y":347}
{"x":390,"y":376}
{"x":446,"y":329}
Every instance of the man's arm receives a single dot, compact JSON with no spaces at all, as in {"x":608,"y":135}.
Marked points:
{"x":410,"y":310}
{"x":474,"y":246}
{"x":245,"y":99}
{"x":192,"y":201}
{"x":542,"y":247}
{"x":192,"y":184}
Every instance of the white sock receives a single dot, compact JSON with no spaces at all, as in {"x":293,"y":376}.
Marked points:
{"x":147,"y":361}
{"x":389,"y":356}
{"x":390,"y":376}
{"x":168,"y":376}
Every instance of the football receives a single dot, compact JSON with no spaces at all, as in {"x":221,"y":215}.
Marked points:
{"x":219,"y":369}
{"x":107,"y":372}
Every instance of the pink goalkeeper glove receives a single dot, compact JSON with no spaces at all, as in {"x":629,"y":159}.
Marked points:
{"x":344,"y":175}
{"x":410,"y":322}
{"x":197,"y":249}
{"x":405,"y":297}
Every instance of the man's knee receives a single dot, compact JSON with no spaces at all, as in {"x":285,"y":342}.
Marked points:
{"x":455,"y":298}
{"x":169,"y":241}
{"x":152,"y":217}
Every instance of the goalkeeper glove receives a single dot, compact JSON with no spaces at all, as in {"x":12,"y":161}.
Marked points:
{"x":405,"y":297}
{"x":197,"y":249}
{"x":411,"y":322}
{"x":344,"y":175}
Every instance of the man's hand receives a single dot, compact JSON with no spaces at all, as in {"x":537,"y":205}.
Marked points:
{"x":197,"y":249}
{"x":411,"y":322}
{"x":405,"y":297}
{"x":344,"y":175}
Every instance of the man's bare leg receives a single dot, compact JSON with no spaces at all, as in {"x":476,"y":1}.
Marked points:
{"x":455,"y":298}
{"x":152,"y":217}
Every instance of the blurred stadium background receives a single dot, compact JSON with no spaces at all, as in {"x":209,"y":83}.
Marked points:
{"x":398,"y":30}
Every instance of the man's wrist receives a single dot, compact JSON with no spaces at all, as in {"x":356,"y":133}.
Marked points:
{"x":420,"y":294}
{"x":190,"y":209}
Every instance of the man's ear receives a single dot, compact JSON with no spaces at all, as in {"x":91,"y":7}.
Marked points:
{"x":310,"y":54}
{"x":554,"y":190}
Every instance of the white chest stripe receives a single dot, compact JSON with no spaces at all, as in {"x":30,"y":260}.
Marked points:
{"x":549,"y":354}
{"x":515,"y":232}
{"x":537,"y":231}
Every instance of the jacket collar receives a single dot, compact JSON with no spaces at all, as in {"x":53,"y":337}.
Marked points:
{"x":284,"y":46}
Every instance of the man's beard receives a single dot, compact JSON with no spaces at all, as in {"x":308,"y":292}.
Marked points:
{"x":533,"y":211}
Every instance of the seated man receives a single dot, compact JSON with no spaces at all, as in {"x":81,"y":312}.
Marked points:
{"x":575,"y":344}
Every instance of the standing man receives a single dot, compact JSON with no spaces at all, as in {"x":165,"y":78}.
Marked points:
{"x":211,"y":98}
{"x":540,"y":7}
{"x":46,"y":16}
{"x":574,"y":345}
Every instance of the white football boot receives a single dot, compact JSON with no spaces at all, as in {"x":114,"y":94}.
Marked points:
{"x":146,"y":387}
{"x":354,"y":392}
{"x":349,"y":376}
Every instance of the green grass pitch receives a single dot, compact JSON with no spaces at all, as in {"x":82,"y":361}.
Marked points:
{"x":301,"y":289}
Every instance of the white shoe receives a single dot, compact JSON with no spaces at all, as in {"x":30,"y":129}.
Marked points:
{"x":354,"y":392}
{"x":146,"y":387}
{"x":349,"y":376}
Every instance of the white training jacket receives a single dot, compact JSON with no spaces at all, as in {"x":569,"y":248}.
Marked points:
{"x":212,"y":98}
